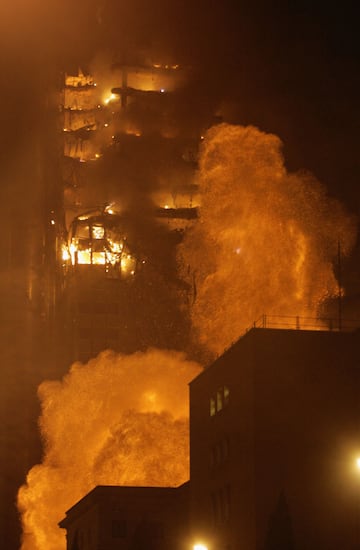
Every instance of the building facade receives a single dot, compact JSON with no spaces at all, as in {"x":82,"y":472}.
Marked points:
{"x":135,"y":518}
{"x":274,"y":435}
{"x":128,"y":158}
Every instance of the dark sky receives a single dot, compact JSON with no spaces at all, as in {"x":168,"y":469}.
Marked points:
{"x":288,"y":67}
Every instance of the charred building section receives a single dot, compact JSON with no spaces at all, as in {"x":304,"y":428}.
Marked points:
{"x":129,"y":191}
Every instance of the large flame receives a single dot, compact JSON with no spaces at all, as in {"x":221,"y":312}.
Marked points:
{"x":266,"y":240}
{"x":116,"y":420}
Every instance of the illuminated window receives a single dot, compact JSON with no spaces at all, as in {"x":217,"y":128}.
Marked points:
{"x":97,"y":232}
{"x":84,"y":257}
{"x":220,"y":401}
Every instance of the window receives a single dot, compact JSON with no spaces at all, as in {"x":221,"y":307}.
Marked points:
{"x":97,"y":232}
{"x":220,"y":401}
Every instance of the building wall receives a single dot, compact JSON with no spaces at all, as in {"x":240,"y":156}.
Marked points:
{"x":291,"y":425}
{"x":221,"y":444}
{"x":306,"y":414}
{"x":134,"y":518}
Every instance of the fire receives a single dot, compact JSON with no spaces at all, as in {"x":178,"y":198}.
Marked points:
{"x":98,"y":240}
{"x":109,"y":98}
{"x":116,"y":420}
{"x":266,"y":241}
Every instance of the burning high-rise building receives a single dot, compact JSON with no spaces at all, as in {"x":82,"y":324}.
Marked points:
{"x":129,"y":192}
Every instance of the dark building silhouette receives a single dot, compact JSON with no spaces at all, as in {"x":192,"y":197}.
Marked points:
{"x":138,"y":518}
{"x":277,"y":414}
{"x":274,"y":436}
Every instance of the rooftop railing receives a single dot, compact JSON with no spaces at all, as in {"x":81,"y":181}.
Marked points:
{"x":305,"y":323}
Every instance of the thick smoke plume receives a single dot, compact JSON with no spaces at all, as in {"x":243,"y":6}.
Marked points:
{"x":266,"y":240}
{"x":116,"y":420}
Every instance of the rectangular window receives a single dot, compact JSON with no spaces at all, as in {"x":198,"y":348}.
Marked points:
{"x":220,"y":401}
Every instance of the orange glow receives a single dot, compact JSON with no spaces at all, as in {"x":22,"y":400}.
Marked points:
{"x":65,"y":254}
{"x":94,"y":244}
{"x":110,"y":98}
{"x":132,"y":431}
{"x":266,"y":241}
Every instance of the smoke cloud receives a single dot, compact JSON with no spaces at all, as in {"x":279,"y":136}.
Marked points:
{"x":120,"y":419}
{"x":266,"y":240}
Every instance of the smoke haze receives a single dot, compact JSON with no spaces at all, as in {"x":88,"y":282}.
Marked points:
{"x":266,"y":239}
{"x":118,"y":420}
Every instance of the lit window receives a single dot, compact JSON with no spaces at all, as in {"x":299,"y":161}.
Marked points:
{"x":212,"y":406}
{"x":221,"y":400}
{"x":97,"y":232}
